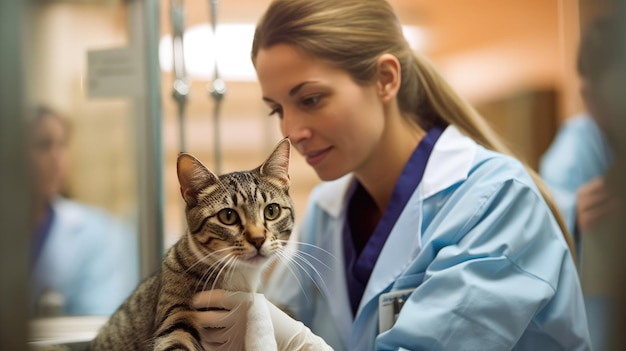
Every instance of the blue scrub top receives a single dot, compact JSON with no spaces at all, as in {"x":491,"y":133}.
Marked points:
{"x":359,"y":265}
{"x":41,"y":234}
{"x":88,"y":257}
{"x":578,"y":154}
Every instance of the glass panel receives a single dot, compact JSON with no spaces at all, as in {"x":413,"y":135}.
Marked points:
{"x":85,"y":253}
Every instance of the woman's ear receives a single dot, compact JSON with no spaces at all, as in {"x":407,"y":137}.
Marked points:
{"x":388,"y":77}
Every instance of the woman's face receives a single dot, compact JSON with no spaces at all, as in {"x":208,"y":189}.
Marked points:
{"x":333,"y":122}
{"x":49,"y":155}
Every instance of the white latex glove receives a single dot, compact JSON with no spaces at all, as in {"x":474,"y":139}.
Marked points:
{"x":222,"y":315}
{"x":250,"y":322}
{"x":291,"y":334}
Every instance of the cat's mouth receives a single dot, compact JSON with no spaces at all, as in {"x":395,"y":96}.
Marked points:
{"x":257,"y":259}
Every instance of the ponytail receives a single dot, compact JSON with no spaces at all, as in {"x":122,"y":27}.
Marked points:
{"x":451,"y":108}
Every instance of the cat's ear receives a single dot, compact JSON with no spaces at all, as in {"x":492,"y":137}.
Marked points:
{"x":193,"y":177}
{"x":277,"y":165}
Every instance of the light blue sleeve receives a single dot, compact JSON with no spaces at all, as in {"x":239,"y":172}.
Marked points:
{"x":109,"y":269}
{"x":497,"y":275}
{"x":578,"y":154}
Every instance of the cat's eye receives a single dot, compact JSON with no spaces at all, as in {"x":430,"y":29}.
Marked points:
{"x":272,"y":211}
{"x":228,"y":216}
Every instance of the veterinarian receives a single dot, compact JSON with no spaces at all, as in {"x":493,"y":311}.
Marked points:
{"x":425,"y":234}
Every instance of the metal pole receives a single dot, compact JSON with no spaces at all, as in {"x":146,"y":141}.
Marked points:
{"x":144,"y":29}
{"x":217,"y":89}
{"x":15,"y":205}
{"x":181,"y":80}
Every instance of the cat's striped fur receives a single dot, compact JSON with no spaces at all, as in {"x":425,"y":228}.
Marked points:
{"x":237,"y":223}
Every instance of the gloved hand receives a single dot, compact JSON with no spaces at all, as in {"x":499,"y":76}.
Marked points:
{"x":291,"y":334}
{"x":243,"y":324}
{"x":222,"y":315}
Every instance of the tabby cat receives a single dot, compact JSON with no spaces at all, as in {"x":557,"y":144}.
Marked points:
{"x":237,"y":223}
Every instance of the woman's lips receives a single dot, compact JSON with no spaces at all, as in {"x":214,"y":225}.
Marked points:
{"x":315,"y":157}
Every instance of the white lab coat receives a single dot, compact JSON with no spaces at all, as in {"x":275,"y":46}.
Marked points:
{"x":90,"y":259}
{"x":489,"y":265}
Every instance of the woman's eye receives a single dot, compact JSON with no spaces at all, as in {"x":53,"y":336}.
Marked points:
{"x":311,"y":101}
{"x":228,"y":216}
{"x":278,"y":111}
{"x":272,"y":211}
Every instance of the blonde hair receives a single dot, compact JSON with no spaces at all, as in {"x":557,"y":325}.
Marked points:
{"x":352,"y":35}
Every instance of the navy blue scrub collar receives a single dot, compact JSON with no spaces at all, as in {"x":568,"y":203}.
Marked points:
{"x":359,"y":268}
{"x":42,"y":232}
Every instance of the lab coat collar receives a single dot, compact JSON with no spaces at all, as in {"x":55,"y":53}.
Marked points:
{"x":450,"y":162}
{"x":334,"y":194}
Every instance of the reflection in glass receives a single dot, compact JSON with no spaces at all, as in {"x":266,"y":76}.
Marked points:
{"x":83,"y":258}
{"x":84,"y":255}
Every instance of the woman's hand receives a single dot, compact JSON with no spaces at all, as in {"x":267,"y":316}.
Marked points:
{"x":226,"y":317}
{"x":223,"y":316}
{"x":593,"y":203}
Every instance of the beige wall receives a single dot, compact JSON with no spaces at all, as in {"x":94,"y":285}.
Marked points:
{"x":102,"y":142}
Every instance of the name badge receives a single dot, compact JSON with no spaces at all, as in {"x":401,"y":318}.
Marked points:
{"x":389,"y":306}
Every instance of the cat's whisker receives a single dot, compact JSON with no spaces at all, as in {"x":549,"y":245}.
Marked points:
{"x":300,"y":262}
{"x":207,"y":256}
{"x":230,"y":267}
{"x":287,"y":260}
{"x":296,"y":243}
{"x":212,"y":273}
{"x":296,"y":258}
{"x":224,"y":264}
{"x":208,"y":273}
{"x":302,"y":254}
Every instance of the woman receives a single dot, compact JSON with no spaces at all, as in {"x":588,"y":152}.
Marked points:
{"x":440,"y":240}
{"x":83,"y":260}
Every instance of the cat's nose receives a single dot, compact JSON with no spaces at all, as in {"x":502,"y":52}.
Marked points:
{"x":255,"y":235}
{"x":257,"y":241}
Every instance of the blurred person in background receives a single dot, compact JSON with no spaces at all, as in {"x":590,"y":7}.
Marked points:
{"x":582,"y":168}
{"x":84,"y":261}
{"x":610,"y":83}
{"x":575,"y":164}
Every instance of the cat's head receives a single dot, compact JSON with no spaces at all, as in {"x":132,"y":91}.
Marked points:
{"x":240,"y":217}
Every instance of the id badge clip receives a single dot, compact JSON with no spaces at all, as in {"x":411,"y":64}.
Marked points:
{"x":389,"y":306}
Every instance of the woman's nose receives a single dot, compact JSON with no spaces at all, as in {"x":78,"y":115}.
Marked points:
{"x":295,"y":128}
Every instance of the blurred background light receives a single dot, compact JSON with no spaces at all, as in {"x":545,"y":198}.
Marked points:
{"x":231,"y":46}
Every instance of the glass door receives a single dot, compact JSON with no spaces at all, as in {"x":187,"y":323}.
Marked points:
{"x":93,"y":141}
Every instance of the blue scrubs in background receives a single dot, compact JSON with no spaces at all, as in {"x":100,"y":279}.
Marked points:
{"x":87,"y":262}
{"x":578,"y":154}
